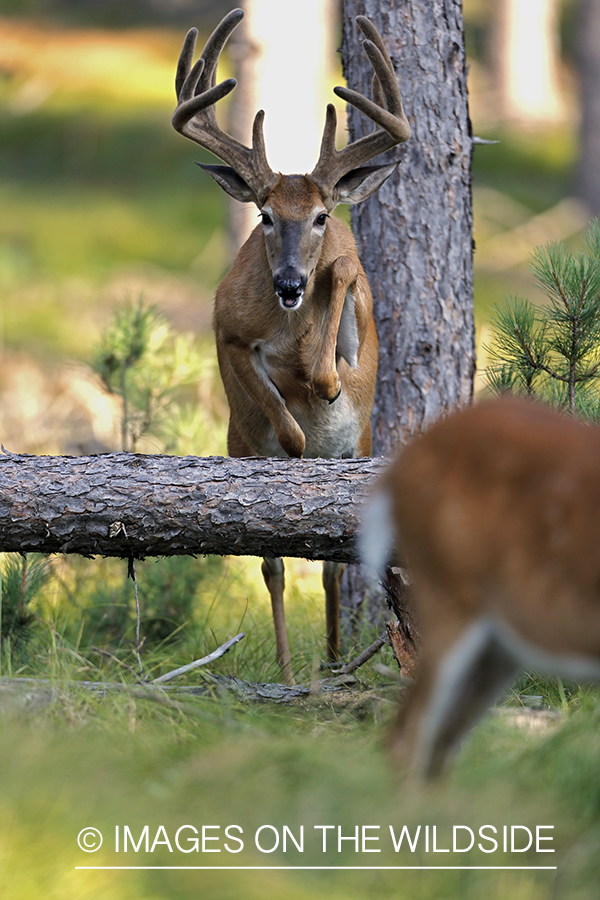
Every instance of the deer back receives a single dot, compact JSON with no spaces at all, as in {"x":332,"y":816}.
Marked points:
{"x":496,"y":512}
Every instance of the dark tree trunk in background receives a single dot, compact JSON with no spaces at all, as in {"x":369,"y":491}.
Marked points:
{"x":415,"y":235}
{"x":589,"y":74}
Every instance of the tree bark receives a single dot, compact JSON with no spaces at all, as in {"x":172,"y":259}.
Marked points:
{"x":129,"y":505}
{"x":415,"y":235}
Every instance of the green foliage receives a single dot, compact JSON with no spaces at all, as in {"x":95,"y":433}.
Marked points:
{"x":141,"y":360}
{"x":534,"y":169}
{"x":553,"y":352}
{"x":90,"y":204}
{"x":22,"y":579}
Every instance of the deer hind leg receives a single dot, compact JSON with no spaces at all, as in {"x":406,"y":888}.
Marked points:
{"x":332,"y":575}
{"x":274,"y":575}
{"x":449,"y":696}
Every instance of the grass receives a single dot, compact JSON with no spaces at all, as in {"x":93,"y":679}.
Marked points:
{"x":188,"y":608}
{"x":120,"y":761}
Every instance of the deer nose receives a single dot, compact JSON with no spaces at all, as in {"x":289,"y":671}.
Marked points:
{"x":289,"y":287}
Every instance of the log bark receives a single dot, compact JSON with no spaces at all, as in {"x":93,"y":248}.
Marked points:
{"x":131,"y":505}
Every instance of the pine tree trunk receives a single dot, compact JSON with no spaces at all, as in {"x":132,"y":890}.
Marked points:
{"x":415,"y":235}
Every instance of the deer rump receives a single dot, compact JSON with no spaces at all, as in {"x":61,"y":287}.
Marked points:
{"x":496,"y":512}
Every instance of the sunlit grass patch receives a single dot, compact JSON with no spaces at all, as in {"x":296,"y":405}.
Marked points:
{"x":76,"y":758}
{"x":73,"y":65}
{"x":93,"y":190}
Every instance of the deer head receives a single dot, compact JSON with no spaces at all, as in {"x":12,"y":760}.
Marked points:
{"x":294,"y":209}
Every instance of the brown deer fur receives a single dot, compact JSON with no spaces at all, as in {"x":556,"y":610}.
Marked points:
{"x":496,"y":512}
{"x":258,"y":340}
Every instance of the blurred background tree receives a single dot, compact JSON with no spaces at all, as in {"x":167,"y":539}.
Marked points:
{"x":294,"y":107}
{"x":526,"y":59}
{"x":588,"y":58}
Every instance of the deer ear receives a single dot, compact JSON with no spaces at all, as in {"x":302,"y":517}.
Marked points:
{"x":228,"y":179}
{"x":360,"y":183}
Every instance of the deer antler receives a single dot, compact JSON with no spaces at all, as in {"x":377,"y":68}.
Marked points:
{"x":195,"y":118}
{"x":385,"y":110}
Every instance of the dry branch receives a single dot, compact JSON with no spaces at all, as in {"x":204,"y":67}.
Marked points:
{"x":216,"y":654}
{"x":365,"y":656}
{"x":131,"y":505}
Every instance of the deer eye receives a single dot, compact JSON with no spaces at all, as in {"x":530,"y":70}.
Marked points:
{"x":321,"y":219}
{"x":266,"y":218}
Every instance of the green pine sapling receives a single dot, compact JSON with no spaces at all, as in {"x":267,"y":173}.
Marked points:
{"x":552,"y":352}
{"x":141,"y":360}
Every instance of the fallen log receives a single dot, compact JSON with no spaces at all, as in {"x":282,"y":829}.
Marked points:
{"x":134,"y":506}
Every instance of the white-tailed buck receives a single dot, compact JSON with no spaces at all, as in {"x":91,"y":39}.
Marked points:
{"x":496,"y":512}
{"x":293,"y":320}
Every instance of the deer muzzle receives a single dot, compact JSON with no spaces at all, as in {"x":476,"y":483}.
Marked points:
{"x":289,"y":285}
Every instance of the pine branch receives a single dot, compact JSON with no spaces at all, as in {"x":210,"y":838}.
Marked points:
{"x":558,"y":344}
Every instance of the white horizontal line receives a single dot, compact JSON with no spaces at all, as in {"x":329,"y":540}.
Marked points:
{"x":311,"y":868}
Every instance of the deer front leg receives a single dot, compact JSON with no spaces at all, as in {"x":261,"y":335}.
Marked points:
{"x":325,"y":379}
{"x":254,"y":381}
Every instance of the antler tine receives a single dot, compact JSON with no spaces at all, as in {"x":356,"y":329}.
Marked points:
{"x":376,"y":91}
{"x":214,"y":46}
{"x":385,"y":110}
{"x":329,"y":132}
{"x":195,"y":117}
{"x":371,"y":34}
{"x":184,"y":63}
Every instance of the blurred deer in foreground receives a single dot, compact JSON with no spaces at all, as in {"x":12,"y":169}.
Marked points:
{"x":496,"y":512}
{"x":295,"y":336}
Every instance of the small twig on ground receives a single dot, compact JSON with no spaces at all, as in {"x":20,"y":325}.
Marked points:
{"x":365,"y":656}
{"x":216,"y":654}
